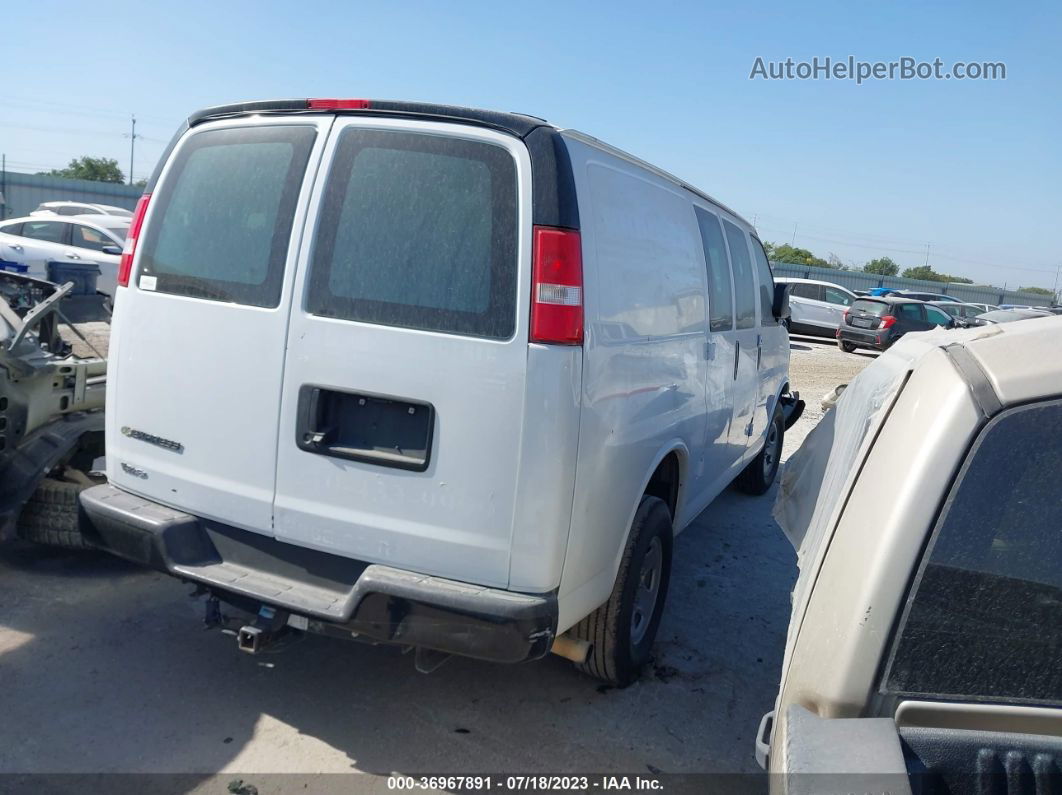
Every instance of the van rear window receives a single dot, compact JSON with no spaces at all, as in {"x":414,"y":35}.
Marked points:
{"x":419,"y":231}
{"x":222,"y":220}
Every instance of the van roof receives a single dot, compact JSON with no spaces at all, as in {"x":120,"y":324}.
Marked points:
{"x":518,"y":124}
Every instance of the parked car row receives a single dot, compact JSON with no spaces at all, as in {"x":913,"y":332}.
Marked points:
{"x":32,"y":243}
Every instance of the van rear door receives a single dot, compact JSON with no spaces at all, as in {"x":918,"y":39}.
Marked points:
{"x":403,"y":396}
{"x":198,"y":341}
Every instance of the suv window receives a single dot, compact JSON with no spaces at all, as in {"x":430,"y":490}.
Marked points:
{"x":418,"y":231}
{"x":720,"y":294}
{"x":835,"y":296}
{"x":46,"y":231}
{"x":766,"y":280}
{"x":744,"y":288}
{"x":810,"y":291}
{"x":223,"y":216}
{"x":908,"y":311}
{"x":936,"y":315}
{"x":982,"y":620}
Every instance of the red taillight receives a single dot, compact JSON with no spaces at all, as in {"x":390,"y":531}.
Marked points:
{"x":337,"y":104}
{"x":887,"y":321}
{"x":557,"y":289}
{"x":125,"y":265}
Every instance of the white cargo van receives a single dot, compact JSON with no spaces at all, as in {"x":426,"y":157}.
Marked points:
{"x":433,"y":376}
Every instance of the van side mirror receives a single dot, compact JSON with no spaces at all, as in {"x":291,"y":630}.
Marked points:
{"x":780,"y":307}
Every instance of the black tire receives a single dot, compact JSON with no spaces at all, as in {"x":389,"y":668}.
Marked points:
{"x":616,"y":654}
{"x":50,"y":515}
{"x":847,"y":347}
{"x":760,"y":472}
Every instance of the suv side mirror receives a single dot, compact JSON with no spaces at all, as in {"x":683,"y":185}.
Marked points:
{"x":780,"y":307}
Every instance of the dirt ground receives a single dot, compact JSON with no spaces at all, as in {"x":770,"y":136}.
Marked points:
{"x":107,"y":668}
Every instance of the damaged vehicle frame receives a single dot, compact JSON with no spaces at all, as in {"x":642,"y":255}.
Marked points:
{"x":51,"y":417}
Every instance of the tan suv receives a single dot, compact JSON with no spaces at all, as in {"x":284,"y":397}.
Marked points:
{"x":925,"y":646}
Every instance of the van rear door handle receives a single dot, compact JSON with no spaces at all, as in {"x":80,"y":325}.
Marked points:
{"x":737,"y":357}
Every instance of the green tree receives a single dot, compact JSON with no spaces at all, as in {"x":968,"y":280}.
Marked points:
{"x":883,"y":266}
{"x":927,"y":274}
{"x":1036,"y":291}
{"x":97,"y":169}
{"x":797,"y":256}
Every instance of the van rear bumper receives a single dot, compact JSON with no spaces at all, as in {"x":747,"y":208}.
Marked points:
{"x":374,"y":601}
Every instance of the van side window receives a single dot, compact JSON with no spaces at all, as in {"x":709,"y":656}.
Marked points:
{"x":418,"y":231}
{"x":982,"y":621}
{"x":720,"y":298}
{"x":744,"y":286}
{"x":766,"y":280}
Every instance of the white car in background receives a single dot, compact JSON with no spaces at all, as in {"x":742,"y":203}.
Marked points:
{"x":816,"y":307}
{"x":36,"y":240}
{"x":80,"y":208}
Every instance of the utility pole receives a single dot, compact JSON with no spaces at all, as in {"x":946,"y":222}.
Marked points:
{"x":793,"y":242}
{"x":927,"y":255}
{"x":3,"y":187}
{"x":132,"y":136}
{"x":1055,"y":288}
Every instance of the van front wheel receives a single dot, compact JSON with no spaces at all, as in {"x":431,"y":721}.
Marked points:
{"x":621,"y":632}
{"x":758,"y":476}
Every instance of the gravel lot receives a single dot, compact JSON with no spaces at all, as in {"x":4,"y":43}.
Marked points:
{"x":106,"y":668}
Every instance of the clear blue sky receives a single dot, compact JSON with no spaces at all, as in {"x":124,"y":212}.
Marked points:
{"x":972,"y":167}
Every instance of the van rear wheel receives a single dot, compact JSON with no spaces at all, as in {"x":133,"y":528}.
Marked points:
{"x":621,"y":632}
{"x":758,"y":476}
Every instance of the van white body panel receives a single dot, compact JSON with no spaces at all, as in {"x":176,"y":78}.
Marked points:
{"x":540,"y":454}
{"x":455,"y":519}
{"x":206,"y":375}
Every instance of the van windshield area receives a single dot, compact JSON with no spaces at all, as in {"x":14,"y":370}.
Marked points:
{"x":876,"y":308}
{"x":419,"y":231}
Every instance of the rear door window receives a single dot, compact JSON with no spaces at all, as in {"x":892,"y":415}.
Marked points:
{"x":418,"y":231}
{"x":744,"y":285}
{"x":221,"y":222}
{"x":720,"y":295}
{"x":812,"y":292}
{"x":983,"y":620}
{"x":45,"y":231}
{"x":766,"y":280}
{"x":835,"y":296}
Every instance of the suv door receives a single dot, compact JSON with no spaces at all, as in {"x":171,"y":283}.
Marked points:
{"x":404,"y":378}
{"x":836,"y":302}
{"x":197,"y":349}
{"x":747,"y":339}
